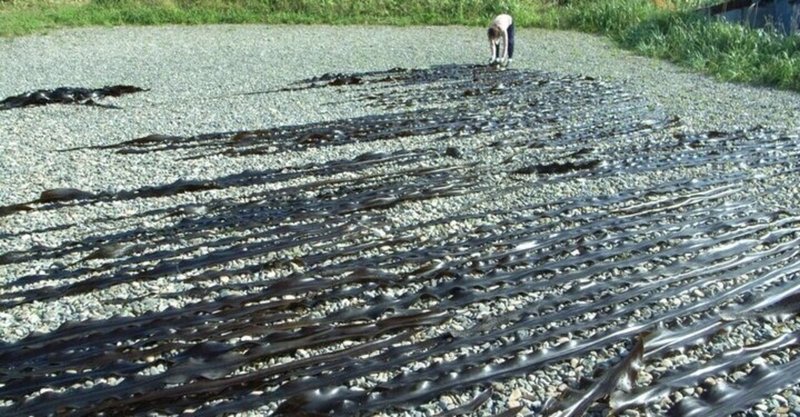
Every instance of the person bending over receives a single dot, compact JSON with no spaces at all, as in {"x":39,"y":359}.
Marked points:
{"x":501,"y":38}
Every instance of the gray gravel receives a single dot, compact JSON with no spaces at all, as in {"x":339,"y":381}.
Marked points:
{"x":196,"y":76}
{"x":215,"y":78}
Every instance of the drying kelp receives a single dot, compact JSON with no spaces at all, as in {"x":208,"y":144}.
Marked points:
{"x":517,"y":270}
{"x":346,"y":286}
{"x":621,"y":377}
{"x":358,"y":195}
{"x":48,"y":196}
{"x":68,"y":95}
{"x":557,"y":168}
{"x":50,"y":199}
{"x":430,"y":103}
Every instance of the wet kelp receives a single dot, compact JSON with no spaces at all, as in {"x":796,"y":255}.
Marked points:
{"x":313,"y":298}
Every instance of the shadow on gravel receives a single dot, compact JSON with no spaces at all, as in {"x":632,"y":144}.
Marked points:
{"x":68,"y":95}
{"x":312,"y":298}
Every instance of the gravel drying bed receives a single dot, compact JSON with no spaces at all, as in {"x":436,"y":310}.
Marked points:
{"x":361,"y":220}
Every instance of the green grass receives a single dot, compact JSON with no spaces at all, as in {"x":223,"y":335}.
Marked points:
{"x":728,"y":51}
{"x":22,"y":17}
{"x":670,"y":31}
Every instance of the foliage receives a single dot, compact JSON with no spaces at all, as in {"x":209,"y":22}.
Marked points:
{"x":675,"y":32}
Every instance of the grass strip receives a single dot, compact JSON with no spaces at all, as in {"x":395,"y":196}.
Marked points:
{"x":666,"y":29}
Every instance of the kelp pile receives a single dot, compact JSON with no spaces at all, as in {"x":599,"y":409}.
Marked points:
{"x":67,"y":95}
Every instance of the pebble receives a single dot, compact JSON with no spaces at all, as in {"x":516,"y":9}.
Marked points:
{"x":514,"y":398}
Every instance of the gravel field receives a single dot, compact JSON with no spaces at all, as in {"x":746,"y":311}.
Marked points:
{"x":362,"y":220}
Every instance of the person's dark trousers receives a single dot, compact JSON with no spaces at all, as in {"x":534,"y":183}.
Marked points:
{"x":511,"y":41}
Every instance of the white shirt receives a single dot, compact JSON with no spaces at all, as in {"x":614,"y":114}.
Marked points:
{"x":502,"y":23}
